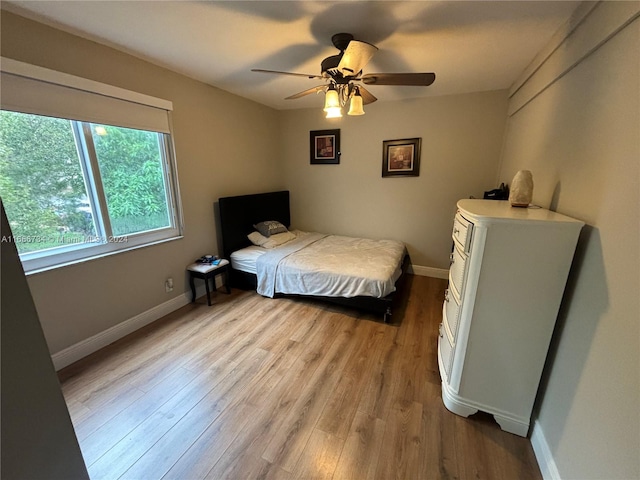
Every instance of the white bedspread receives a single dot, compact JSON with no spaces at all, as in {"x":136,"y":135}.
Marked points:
{"x":331,"y":266}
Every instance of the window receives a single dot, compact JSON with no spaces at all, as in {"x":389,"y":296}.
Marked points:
{"x":75,"y":189}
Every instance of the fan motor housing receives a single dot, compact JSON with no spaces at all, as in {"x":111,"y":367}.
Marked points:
{"x":341,"y":40}
{"x":330,"y":63}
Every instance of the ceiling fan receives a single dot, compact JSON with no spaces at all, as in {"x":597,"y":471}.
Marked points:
{"x":344,"y":79}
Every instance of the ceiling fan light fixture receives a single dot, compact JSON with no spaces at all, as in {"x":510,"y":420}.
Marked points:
{"x":340,"y":72}
{"x":333,"y":112}
{"x":331,"y":99}
{"x":355,"y":105}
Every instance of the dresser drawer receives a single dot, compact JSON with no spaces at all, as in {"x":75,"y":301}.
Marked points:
{"x":462,"y":230}
{"x":450,"y":314}
{"x":445,"y":353}
{"x":457,"y":270}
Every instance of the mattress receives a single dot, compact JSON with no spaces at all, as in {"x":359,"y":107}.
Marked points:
{"x":327,"y":265}
{"x":245,"y":258}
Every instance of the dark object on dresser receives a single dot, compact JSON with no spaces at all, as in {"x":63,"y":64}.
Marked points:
{"x":500,"y":193}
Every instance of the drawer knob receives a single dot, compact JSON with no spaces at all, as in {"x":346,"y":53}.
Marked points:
{"x":440,"y":330}
{"x":446,"y":295}
{"x":456,"y":231}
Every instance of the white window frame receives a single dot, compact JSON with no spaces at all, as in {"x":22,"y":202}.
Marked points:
{"x":105,"y":242}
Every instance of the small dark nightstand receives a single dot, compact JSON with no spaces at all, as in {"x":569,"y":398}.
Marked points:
{"x":207,"y":272}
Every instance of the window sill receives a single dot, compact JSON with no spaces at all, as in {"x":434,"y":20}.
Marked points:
{"x":99,"y":256}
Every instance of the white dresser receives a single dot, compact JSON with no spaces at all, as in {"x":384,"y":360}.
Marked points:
{"x":508,"y":271}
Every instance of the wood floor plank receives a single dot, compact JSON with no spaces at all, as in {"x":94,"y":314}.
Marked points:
{"x":207,"y":449}
{"x":341,"y":406}
{"x":314,"y":319}
{"x":138,"y":442}
{"x":268,"y":416}
{"x":78,"y":412}
{"x":359,"y":456}
{"x":99,"y":371}
{"x":174,"y":344}
{"x":241,"y":457}
{"x":401,"y":457}
{"x":113,"y":431}
{"x":287,"y":444}
{"x":319,"y":458}
{"x":225,"y":333}
{"x":163,"y":454}
{"x":104,"y":411}
{"x":411,"y":361}
{"x":377,"y":392}
{"x":473,"y":457}
{"x":438,"y":458}
{"x":287,"y":321}
{"x":283,"y":388}
{"x":196,"y":462}
{"x":253,"y":466}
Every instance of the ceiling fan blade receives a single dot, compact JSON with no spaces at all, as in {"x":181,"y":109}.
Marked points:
{"x":367,"y":97}
{"x":286,"y":73}
{"x":409,"y":79}
{"x":355,"y":57}
{"x":317,"y":89}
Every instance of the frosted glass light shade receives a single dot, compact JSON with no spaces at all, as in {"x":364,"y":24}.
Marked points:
{"x":333,"y":112}
{"x":331,"y":100}
{"x":355,"y":107}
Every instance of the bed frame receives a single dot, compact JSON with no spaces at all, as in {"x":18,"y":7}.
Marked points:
{"x":239,"y":214}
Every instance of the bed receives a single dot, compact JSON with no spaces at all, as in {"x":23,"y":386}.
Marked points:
{"x":302,"y":267}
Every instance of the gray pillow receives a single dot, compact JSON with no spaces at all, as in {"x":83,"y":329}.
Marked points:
{"x":270,"y":227}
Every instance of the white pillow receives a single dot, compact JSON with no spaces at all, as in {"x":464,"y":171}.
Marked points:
{"x":273,"y":241}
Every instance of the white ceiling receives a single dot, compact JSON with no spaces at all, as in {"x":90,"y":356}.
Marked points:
{"x":471,"y":46}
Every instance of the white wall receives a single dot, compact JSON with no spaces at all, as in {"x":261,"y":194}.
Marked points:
{"x":225,"y":145}
{"x":461,"y":142}
{"x":578,"y":130}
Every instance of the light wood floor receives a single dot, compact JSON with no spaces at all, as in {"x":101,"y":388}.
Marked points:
{"x":276,"y":388}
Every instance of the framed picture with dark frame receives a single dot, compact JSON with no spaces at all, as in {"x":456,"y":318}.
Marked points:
{"x":325,"y":146}
{"x":401,"y":158}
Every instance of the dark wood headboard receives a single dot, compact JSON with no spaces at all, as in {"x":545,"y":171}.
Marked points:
{"x":239,"y":214}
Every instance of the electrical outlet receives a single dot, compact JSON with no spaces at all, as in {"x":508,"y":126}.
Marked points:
{"x":168,"y":285}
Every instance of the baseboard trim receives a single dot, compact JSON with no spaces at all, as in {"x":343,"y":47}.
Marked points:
{"x":92,"y":344}
{"x":429,"y":271}
{"x":543,"y":454}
